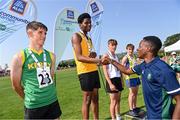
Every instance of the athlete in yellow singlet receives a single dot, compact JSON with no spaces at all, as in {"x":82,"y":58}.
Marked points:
{"x":86,"y":62}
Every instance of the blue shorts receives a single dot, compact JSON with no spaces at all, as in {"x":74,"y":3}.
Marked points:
{"x":133,"y":82}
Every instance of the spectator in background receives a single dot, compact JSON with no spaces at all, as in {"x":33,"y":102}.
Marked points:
{"x":172,"y":59}
{"x":174,"y":62}
{"x":1,"y":68}
{"x":1,"y":71}
{"x":6,"y":67}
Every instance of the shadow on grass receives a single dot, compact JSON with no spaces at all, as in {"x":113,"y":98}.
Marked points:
{"x":122,"y":114}
{"x":141,"y":107}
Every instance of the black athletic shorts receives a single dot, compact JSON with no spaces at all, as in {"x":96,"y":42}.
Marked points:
{"x":51,"y":111}
{"x":89,"y":81}
{"x":117,"y":83}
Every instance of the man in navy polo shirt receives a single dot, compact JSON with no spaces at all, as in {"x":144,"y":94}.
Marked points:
{"x":159,"y":81}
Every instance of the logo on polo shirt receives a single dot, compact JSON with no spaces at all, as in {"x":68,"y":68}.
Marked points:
{"x":149,"y":76}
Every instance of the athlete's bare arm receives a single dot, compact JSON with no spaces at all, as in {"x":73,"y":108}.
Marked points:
{"x":118,"y":65}
{"x":76,"y":43}
{"x":16,"y":72}
{"x":176,"y":113}
{"x":53,"y":65}
{"x":124,"y":60}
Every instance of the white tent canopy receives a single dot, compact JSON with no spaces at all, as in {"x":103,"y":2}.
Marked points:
{"x":173,"y":47}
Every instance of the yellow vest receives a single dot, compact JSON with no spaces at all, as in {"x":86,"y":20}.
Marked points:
{"x":132,"y":62}
{"x":81,"y":66}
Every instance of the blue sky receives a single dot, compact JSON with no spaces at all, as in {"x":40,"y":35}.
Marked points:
{"x":127,"y":21}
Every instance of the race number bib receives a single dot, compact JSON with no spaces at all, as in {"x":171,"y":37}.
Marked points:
{"x":44,"y":77}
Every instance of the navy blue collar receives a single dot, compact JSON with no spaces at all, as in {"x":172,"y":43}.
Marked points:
{"x":152,"y":62}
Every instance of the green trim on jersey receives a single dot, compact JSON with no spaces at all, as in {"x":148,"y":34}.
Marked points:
{"x":36,"y":97}
{"x":167,"y":105}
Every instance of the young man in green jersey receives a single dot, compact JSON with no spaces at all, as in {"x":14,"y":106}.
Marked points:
{"x":32,"y":76}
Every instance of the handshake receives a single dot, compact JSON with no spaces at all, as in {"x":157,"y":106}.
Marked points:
{"x":92,"y":55}
{"x":105,"y":60}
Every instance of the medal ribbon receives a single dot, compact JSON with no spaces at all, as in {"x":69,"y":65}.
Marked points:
{"x":89,"y":42}
{"x":36,"y":60}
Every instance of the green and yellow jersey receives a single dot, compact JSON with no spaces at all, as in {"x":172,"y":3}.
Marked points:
{"x":34,"y":96}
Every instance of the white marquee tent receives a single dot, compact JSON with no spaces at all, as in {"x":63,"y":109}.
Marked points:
{"x":173,"y":47}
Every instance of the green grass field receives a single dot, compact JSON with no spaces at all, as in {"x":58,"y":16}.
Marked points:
{"x":69,"y":95}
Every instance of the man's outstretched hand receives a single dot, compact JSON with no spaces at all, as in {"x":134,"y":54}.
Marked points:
{"x":105,"y":60}
{"x":92,"y":54}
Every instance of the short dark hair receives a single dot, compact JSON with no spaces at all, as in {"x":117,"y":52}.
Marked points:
{"x":34,"y":25}
{"x":155,"y":43}
{"x":112,"y":41}
{"x":130,"y":45}
{"x":82,"y":17}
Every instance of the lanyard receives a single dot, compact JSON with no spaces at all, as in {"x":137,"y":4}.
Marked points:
{"x":89,"y":42}
{"x":36,"y":60}
{"x":132,"y":59}
{"x":114,"y":58}
{"x":109,"y":53}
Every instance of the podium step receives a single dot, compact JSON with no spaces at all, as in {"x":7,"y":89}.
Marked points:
{"x":142,"y":116}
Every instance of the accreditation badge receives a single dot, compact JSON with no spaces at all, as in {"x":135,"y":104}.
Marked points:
{"x":44,"y":77}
